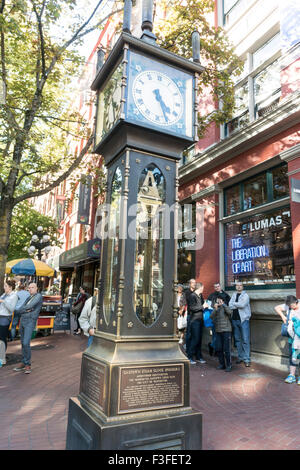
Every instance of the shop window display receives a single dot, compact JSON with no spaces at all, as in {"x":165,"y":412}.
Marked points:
{"x":186,"y":242}
{"x":280,"y":182}
{"x":266,"y":187}
{"x":255,"y":192}
{"x":232,"y":202}
{"x":259,"y":250}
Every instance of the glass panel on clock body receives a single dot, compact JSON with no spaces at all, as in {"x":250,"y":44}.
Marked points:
{"x":111,"y":277}
{"x":109,"y":104}
{"x":149,"y":255}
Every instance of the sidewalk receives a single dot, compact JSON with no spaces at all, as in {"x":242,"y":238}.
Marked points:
{"x":249,"y":408}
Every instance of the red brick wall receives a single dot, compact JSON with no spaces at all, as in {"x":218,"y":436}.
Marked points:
{"x":295,"y":216}
{"x":290,"y":78}
{"x":207,"y":258}
{"x":244,"y":161}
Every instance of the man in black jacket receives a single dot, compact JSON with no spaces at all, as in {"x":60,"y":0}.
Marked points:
{"x":196,"y":307}
{"x":187,"y":293}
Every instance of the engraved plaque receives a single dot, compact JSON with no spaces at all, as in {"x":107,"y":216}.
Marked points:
{"x":92,"y":381}
{"x":150,"y":387}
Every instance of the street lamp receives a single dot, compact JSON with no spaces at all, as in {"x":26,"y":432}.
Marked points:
{"x":40,"y":241}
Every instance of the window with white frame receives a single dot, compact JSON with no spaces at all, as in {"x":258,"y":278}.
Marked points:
{"x":233,"y":9}
{"x":258,"y":88}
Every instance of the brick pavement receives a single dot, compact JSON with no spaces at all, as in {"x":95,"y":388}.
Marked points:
{"x":249,"y":408}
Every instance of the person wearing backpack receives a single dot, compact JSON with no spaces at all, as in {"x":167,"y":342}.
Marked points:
{"x":289,"y":311}
{"x":87,"y":319}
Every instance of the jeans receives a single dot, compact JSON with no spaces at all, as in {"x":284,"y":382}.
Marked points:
{"x":223,"y":348}
{"x":14,"y":324}
{"x":195,"y":341}
{"x":213,"y":337}
{"x":241,"y":331}
{"x":90,"y":340}
{"x":27,"y":325}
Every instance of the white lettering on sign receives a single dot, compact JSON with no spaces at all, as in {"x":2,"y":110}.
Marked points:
{"x":268,"y":222}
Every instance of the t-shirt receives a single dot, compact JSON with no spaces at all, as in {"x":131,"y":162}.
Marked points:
{"x":235,"y":311}
{"x":293,"y":313}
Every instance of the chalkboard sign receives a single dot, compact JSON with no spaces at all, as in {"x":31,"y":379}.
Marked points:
{"x":62,"y":320}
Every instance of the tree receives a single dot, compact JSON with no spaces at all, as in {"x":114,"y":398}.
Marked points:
{"x":38,"y":63}
{"x":25,"y":220}
{"x":39,"y":59}
{"x":221,"y":64}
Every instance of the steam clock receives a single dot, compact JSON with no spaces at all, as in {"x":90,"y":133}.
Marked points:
{"x":134,"y":389}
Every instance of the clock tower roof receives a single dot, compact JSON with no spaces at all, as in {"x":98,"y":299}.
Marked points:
{"x":142,"y":46}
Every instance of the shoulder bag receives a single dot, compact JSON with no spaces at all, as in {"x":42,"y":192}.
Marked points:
{"x":284,"y":330}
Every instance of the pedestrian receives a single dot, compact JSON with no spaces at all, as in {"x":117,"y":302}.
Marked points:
{"x":78,"y":306}
{"x":212,"y":299}
{"x":187,"y":293}
{"x":8,"y":302}
{"x":241,"y":313}
{"x":87,"y":319}
{"x":181,"y":309}
{"x":291,"y":308}
{"x":29,"y":315}
{"x":196,"y":307}
{"x":22,"y":297}
{"x":221,"y":316}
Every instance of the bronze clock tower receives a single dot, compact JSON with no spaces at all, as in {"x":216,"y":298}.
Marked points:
{"x":134,"y":389}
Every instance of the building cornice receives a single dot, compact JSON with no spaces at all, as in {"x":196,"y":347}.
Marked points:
{"x":290,"y":154}
{"x":283,"y":117}
{"x":215,"y":188}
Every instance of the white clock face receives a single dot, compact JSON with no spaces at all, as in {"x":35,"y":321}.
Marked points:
{"x":157,"y":97}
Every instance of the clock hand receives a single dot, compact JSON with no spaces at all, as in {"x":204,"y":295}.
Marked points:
{"x":165,"y":109}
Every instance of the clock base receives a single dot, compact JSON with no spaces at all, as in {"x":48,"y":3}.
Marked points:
{"x":181,"y":431}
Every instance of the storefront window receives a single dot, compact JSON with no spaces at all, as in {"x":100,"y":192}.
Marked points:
{"x":111,"y":278}
{"x":149,"y":257}
{"x":233,"y":200}
{"x":280,"y":182}
{"x":186,"y":242}
{"x":255,"y":191}
{"x":259,"y":250}
{"x":263,"y":188}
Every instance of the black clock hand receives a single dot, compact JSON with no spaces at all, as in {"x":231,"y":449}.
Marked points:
{"x":165,"y":109}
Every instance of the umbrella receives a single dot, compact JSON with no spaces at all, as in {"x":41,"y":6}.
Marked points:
{"x":28,"y":267}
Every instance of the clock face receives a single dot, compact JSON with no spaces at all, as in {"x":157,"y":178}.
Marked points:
{"x":157,"y":97}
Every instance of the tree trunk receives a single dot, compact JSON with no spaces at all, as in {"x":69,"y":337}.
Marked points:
{"x":5,"y":224}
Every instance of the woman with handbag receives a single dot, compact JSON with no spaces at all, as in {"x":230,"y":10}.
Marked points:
{"x":78,"y":306}
{"x":287,"y":311}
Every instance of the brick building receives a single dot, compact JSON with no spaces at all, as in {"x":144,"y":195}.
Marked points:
{"x":238,"y":179}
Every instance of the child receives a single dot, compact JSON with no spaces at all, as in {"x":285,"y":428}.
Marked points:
{"x":294,"y":332}
{"x":291,"y":308}
{"x":221,"y":316}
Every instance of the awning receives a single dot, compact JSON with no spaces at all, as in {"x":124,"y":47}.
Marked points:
{"x":87,"y":251}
